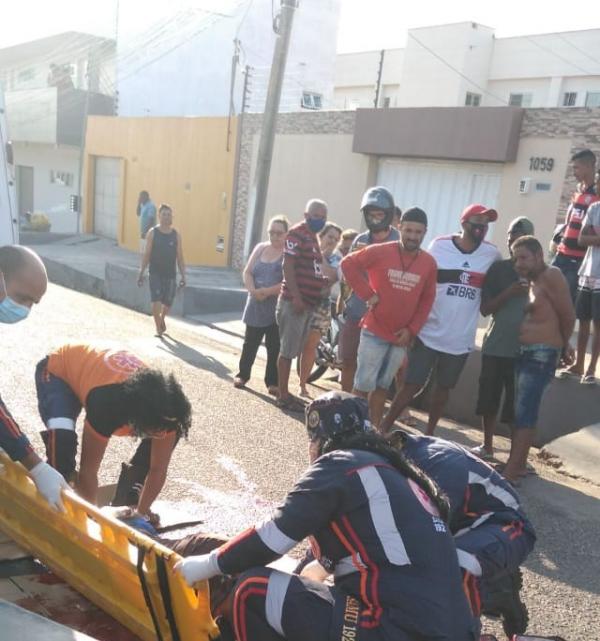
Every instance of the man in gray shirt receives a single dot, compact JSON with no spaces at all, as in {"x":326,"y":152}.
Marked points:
{"x":504,"y":296}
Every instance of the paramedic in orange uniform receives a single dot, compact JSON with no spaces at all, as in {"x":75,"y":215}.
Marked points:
{"x":121,"y":397}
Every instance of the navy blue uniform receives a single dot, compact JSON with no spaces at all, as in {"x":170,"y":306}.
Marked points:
{"x":12,"y":440}
{"x":396,"y":575}
{"x":491,"y":530}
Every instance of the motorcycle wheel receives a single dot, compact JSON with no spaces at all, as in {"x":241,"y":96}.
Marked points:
{"x":317,"y":373}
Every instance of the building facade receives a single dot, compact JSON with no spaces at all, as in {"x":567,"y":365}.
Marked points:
{"x":441,"y":159}
{"x":464,"y":64}
{"x":175,"y":59}
{"x":49,"y":86}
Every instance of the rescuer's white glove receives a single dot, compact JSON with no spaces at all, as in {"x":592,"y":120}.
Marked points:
{"x":198,"y":568}
{"x":49,"y":483}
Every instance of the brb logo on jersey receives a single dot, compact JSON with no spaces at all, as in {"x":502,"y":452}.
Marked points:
{"x":122,"y":362}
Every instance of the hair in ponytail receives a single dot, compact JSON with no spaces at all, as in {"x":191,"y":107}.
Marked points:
{"x":373,"y":442}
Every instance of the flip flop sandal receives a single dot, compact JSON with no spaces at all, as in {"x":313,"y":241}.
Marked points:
{"x":565,"y":373}
{"x":290,"y":404}
{"x":588,"y":379}
{"x":409,"y":420}
{"x":482,"y":453}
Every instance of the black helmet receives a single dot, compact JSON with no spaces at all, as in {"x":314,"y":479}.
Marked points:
{"x":378,"y":198}
{"x":336,"y":413}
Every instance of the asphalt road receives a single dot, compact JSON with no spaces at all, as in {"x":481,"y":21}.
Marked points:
{"x":243,"y":453}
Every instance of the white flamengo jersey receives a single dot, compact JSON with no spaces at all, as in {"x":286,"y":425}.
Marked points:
{"x":452,"y":323}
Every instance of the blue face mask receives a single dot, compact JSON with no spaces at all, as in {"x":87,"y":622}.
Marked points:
{"x":316,"y":224}
{"x":11,"y":312}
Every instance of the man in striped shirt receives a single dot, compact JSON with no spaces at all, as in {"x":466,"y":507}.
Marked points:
{"x":569,"y":254}
{"x":301,"y":290}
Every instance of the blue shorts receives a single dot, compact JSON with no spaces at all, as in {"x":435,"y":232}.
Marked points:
{"x":55,"y":398}
{"x":162,"y":290}
{"x":534,"y":370}
{"x":378,"y":362}
{"x":498,"y":547}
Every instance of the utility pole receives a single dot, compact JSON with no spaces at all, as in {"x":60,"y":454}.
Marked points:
{"x":379,"y":75}
{"x":258,"y":198}
{"x":86,"y":110}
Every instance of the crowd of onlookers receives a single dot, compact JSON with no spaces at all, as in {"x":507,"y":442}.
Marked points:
{"x":410,"y":316}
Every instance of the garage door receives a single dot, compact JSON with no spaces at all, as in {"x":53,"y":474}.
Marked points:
{"x":442,"y":189}
{"x":107,"y":196}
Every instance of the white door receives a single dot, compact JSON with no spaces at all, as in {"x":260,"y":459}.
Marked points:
{"x":107,"y":196}
{"x":441,"y":189}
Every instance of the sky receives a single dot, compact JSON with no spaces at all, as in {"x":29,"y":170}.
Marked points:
{"x":364,"y":24}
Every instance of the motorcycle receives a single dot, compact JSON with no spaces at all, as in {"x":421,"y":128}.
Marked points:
{"x":327,"y":352}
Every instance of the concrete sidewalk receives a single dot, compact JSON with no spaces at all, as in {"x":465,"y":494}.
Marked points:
{"x":98,"y":266}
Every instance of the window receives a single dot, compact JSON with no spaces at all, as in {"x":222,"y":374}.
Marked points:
{"x":386,"y":102}
{"x":62,"y":178}
{"x":569,"y":99}
{"x":520,"y":99}
{"x":311,"y":100}
{"x":472,"y":99}
{"x":592,"y":99}
{"x":26,"y":75}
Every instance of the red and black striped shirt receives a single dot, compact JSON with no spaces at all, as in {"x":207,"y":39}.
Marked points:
{"x":301,"y":244}
{"x":569,"y":245}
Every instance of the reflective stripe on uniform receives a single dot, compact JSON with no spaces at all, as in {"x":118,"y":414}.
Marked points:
{"x":274,"y":538}
{"x":383,"y":517}
{"x":276,"y":591}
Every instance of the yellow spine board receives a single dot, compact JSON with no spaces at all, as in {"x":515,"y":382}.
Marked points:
{"x":97,"y":555}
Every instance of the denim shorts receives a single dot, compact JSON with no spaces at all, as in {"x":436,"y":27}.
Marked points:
{"x":534,"y":370}
{"x":378,"y":362}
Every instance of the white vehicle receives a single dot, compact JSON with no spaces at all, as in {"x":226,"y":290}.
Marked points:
{"x":9,"y":219}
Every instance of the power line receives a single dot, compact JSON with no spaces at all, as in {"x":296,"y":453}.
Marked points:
{"x":547,"y":50}
{"x":462,"y":75}
{"x":594,"y":60}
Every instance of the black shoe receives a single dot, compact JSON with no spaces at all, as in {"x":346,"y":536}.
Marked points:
{"x":130,"y":484}
{"x":502,"y":599}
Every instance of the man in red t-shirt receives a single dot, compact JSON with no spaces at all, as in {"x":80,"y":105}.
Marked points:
{"x":398,"y":282}
{"x":301,"y":290}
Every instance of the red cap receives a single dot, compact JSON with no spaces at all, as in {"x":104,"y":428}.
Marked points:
{"x":475,"y":210}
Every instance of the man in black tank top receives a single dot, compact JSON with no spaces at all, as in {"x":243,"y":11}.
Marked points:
{"x":163,"y":253}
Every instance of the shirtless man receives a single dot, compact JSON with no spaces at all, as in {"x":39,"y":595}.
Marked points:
{"x":544,"y":336}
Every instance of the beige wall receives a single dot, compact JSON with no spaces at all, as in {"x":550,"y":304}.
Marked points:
{"x":539,"y":206}
{"x":316,"y":166}
{"x":181,"y":161}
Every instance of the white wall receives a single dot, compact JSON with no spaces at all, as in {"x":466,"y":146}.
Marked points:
{"x":546,"y":65}
{"x":571,"y":53}
{"x":158,"y":75}
{"x":429,"y":81}
{"x":32,"y":114}
{"x":51,"y":199}
{"x":539,"y":88}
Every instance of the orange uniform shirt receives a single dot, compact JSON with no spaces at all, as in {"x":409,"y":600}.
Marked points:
{"x":83,"y":367}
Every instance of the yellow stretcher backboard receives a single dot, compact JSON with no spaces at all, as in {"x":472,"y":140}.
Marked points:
{"x":99,"y":556}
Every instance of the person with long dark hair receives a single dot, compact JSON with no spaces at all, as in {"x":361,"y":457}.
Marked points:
{"x":375,"y":522}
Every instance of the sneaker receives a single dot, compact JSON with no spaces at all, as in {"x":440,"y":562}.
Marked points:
{"x":239,"y":382}
{"x":502,"y":599}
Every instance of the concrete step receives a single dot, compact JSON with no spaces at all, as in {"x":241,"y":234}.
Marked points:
{"x":97,"y":266}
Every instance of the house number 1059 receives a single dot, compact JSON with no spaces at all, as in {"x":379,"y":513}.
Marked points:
{"x":541,"y":164}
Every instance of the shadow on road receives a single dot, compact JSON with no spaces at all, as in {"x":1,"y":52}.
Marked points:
{"x":194,"y":357}
{"x":565,"y":520}
{"x":272,"y":400}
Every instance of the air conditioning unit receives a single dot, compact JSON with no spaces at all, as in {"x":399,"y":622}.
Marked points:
{"x":524,"y":185}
